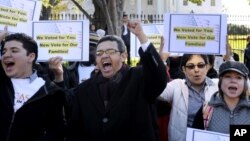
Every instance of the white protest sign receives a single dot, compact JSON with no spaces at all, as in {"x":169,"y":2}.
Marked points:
{"x":68,"y":39}
{"x":204,"y":135}
{"x":153,"y":32}
{"x":18,"y":14}
{"x":195,"y":33}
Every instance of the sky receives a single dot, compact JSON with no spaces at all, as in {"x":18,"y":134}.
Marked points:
{"x":238,"y":7}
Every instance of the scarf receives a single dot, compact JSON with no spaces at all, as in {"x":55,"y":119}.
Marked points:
{"x":107,"y":86}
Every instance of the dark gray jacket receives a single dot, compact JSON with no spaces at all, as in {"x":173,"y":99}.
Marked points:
{"x":222,"y":117}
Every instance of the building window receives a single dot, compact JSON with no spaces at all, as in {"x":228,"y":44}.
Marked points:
{"x":185,"y":2}
{"x":212,"y":2}
{"x":150,"y":2}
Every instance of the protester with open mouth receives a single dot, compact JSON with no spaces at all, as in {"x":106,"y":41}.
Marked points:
{"x":117,"y":104}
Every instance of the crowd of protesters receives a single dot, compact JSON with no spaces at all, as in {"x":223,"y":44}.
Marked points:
{"x":107,"y":99}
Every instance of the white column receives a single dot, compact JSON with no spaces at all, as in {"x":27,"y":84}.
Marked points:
{"x":139,"y":7}
{"x":160,"y":6}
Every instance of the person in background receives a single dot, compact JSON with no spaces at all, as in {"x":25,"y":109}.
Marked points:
{"x":126,"y":36}
{"x":81,"y":71}
{"x":92,"y":28}
{"x":187,"y":95}
{"x":230,"y":55}
{"x":175,"y":70}
{"x":230,"y":105}
{"x":117,"y":104}
{"x":212,"y":73}
{"x":31,"y":108}
{"x":100,"y":33}
{"x":247,"y":54}
{"x":235,"y":56}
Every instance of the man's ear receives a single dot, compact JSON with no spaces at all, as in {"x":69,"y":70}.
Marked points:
{"x":32,"y":57}
{"x":124,"y":56}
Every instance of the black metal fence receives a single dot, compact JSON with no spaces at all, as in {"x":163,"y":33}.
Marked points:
{"x":238,"y":26}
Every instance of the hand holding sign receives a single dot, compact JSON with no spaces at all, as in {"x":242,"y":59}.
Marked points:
{"x":4,"y":33}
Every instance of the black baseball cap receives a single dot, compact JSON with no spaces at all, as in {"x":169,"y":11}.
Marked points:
{"x":233,"y":66}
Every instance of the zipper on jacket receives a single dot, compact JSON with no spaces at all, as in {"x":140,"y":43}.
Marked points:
{"x":231,"y":116}
{"x":10,"y":127}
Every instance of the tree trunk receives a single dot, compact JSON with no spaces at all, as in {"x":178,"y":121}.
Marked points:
{"x":112,"y":10}
{"x":46,"y":11}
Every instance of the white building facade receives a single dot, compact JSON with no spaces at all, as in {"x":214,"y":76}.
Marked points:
{"x":141,"y":7}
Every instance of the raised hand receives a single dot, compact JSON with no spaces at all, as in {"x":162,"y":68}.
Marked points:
{"x":136,"y":28}
{"x":4,"y":33}
{"x":55,"y":65}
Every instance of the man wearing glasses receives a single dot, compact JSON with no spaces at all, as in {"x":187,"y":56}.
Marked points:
{"x":117,"y":103}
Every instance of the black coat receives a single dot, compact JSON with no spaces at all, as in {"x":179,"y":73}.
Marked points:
{"x":39,"y":119}
{"x":130,"y":114}
{"x":247,"y":57}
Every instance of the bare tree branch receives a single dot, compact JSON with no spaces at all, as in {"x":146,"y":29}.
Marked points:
{"x":112,"y":11}
{"x":82,"y":10}
{"x":108,"y":19}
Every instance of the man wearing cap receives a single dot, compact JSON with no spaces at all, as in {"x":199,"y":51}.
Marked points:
{"x":229,"y":106}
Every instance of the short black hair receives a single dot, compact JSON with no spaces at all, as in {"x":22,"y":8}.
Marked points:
{"x":28,"y":42}
{"x":120,"y":44}
{"x":211,"y":59}
{"x":186,"y":57}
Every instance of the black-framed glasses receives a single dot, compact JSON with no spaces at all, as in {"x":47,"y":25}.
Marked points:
{"x":192,"y":66}
{"x":108,"y":52}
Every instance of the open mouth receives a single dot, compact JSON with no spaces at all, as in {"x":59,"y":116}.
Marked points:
{"x":106,"y":66}
{"x":232,"y":88}
{"x":9,"y":65}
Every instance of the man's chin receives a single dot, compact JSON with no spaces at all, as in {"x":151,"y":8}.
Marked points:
{"x":10,"y":75}
{"x":107,"y":75}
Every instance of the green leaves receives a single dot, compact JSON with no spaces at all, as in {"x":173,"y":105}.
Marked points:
{"x":199,"y":2}
{"x":50,"y":3}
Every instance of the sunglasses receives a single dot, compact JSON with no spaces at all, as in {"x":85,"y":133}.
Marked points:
{"x":192,"y":66}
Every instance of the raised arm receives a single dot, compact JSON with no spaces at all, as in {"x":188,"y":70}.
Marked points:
{"x":154,"y":71}
{"x":136,"y":28}
{"x":4,"y":33}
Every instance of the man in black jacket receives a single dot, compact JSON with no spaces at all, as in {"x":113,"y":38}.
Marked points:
{"x":247,"y":54}
{"x":117,"y":104}
{"x":31,"y":108}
